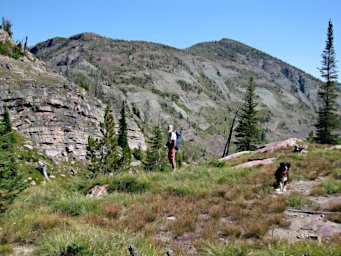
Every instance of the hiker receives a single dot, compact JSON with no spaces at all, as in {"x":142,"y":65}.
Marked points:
{"x":171,"y":146}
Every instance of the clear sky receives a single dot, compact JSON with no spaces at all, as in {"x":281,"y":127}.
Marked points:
{"x":291,"y":30}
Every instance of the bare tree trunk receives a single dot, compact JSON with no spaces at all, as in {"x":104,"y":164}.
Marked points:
{"x":227,"y":145}
{"x":25,"y":45}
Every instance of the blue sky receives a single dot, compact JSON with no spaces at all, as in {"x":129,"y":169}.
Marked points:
{"x":291,"y":30}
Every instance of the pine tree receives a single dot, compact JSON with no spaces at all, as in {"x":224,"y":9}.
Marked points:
{"x":247,"y":131}
{"x":327,"y":117}
{"x":103,"y":152}
{"x":7,"y":121}
{"x":7,"y":26}
{"x":123,"y":130}
{"x":123,"y":139}
{"x":11,"y":178}
{"x":156,"y":155}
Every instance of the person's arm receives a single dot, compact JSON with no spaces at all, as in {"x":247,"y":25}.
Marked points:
{"x":174,"y":144}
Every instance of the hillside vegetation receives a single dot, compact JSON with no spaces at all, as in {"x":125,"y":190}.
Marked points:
{"x":204,"y":209}
{"x":198,"y":89}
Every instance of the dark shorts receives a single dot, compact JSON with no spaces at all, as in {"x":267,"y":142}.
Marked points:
{"x":171,"y":154}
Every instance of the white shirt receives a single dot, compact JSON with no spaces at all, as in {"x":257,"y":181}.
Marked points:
{"x":173,"y":136}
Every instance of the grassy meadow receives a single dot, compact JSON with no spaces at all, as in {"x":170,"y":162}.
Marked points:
{"x":202,"y":209}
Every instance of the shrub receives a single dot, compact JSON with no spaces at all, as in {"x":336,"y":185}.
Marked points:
{"x":216,"y":163}
{"x":76,"y":204}
{"x":6,"y":250}
{"x":86,"y":241}
{"x":138,"y":154}
{"x":27,"y":225}
{"x":13,"y":51}
{"x":226,"y":250}
{"x":128,"y":184}
{"x":85,"y":86}
{"x":77,"y":248}
{"x":337,"y":173}
{"x":178,"y":190}
{"x":296,"y":200}
{"x":331,"y":186}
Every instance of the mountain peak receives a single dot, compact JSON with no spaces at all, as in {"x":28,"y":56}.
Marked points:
{"x":85,"y":35}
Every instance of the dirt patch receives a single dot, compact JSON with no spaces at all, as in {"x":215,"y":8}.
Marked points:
{"x":22,"y":250}
{"x":307,"y":226}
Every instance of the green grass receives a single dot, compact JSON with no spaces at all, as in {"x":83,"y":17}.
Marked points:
{"x":331,"y":186}
{"x":75,"y":204}
{"x":87,"y":241}
{"x":337,"y":173}
{"x":6,"y":249}
{"x":276,"y":248}
{"x":58,"y":218}
{"x":296,"y":200}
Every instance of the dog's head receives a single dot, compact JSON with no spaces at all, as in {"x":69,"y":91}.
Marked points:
{"x":284,"y":166}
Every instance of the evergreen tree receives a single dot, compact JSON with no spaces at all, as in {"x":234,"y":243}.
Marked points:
{"x":123,"y":139}
{"x":7,"y":122}
{"x":11,"y":178}
{"x":103,"y":152}
{"x":327,"y":114}
{"x":247,"y":131}
{"x":7,"y":26}
{"x":156,"y":155}
{"x":123,"y":130}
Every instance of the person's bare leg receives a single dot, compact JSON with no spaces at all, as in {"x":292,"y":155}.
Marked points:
{"x":173,"y":164}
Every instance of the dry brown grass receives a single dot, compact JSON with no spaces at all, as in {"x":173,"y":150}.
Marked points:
{"x":335,"y":207}
{"x":278,"y":220}
{"x":186,"y":220}
{"x":209,"y":230}
{"x":235,"y":212}
{"x":96,"y":220}
{"x":274,"y":204}
{"x":180,"y":249}
{"x":316,"y":191}
{"x":255,"y":228}
{"x":265,"y":177}
{"x":111,"y":210}
{"x":230,"y":230}
{"x":46,"y":222}
{"x":334,"y":218}
{"x":137,"y":216}
{"x":216,"y":211}
{"x":316,"y":165}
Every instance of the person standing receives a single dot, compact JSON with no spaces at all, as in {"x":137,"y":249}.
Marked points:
{"x":171,"y":147}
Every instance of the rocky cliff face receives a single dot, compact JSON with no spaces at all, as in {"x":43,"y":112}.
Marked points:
{"x":198,"y":89}
{"x":51,"y":110}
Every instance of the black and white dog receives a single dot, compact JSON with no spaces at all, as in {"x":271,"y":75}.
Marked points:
{"x":282,"y":176}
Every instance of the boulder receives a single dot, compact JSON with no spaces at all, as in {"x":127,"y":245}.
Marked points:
{"x":256,"y":163}
{"x":98,"y":191}
{"x":271,"y":147}
{"x":235,"y":155}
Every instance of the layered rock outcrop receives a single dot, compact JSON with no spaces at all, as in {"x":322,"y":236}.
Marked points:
{"x":49,"y":109}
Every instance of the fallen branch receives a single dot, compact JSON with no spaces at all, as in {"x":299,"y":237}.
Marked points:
{"x":311,"y":211}
{"x":257,"y":159}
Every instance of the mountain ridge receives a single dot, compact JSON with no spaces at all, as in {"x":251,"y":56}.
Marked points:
{"x":196,"y":88}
